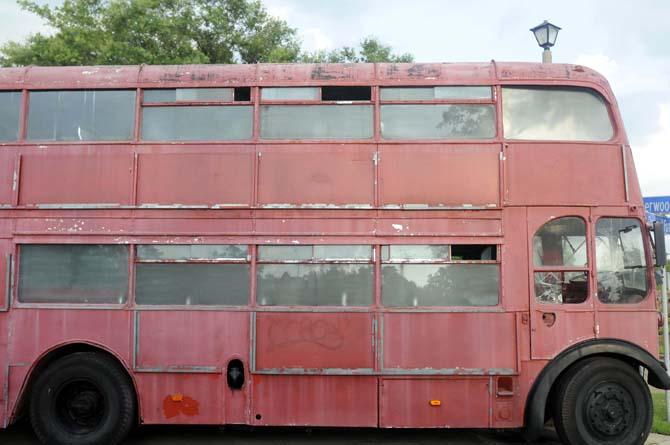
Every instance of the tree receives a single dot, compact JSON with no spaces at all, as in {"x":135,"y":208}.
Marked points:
{"x":109,"y":32}
{"x":371,"y":51}
{"x":128,"y":32}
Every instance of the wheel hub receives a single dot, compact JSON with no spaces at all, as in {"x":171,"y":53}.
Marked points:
{"x":80,"y":406}
{"x":610,"y":409}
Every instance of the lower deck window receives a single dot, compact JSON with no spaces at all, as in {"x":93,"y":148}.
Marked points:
{"x":192,"y":275}
{"x":73,"y":273}
{"x":432,"y":275}
{"x":315,"y":276}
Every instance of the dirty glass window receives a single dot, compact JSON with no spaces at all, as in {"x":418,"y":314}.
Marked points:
{"x":315,"y":275}
{"x":10,"y":108}
{"x":190,"y":95}
{"x":197,"y":123}
{"x":561,"y":262}
{"x":316,"y":121}
{"x":433,"y":93}
{"x":428,"y":275}
{"x":555,"y":113}
{"x":88,"y":115}
{"x":290,"y":93}
{"x":436,"y":121}
{"x":620,"y":261}
{"x":198,"y":274}
{"x":74,"y":273}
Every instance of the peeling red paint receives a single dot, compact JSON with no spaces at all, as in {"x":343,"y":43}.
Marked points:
{"x":173,"y":406}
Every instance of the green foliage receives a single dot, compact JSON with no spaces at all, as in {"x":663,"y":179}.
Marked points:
{"x":660,"y":424}
{"x":128,"y":32}
{"x":371,"y":51}
{"x":109,"y":32}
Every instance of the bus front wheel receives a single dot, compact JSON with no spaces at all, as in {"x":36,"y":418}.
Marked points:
{"x":82,"y":398}
{"x":602,"y":401}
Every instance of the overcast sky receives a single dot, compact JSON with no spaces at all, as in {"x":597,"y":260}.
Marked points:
{"x":627,"y":41}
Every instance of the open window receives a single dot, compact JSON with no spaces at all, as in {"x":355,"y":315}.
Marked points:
{"x":561,"y":261}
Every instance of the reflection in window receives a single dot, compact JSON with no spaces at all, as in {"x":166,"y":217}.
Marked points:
{"x":315,"y":275}
{"x":404,"y":252}
{"x":192,"y":284}
{"x":316,"y":122}
{"x":437,"y":121}
{"x":197,"y":123}
{"x":620,"y":261}
{"x":315,"y":284}
{"x":192,"y":252}
{"x":190,"y":95}
{"x":550,"y":113}
{"x":415,"y":285}
{"x":561,"y":244}
{"x":10,"y":105}
{"x":88,"y":115}
{"x":73,"y":273}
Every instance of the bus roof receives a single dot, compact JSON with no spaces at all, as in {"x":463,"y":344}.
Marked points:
{"x":156,"y":76}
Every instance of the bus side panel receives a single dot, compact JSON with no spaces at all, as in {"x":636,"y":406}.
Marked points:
{"x":180,"y":398}
{"x":5,"y":249}
{"x":453,"y":403}
{"x":315,"y":400}
{"x":641,"y":328}
{"x":7,"y":165}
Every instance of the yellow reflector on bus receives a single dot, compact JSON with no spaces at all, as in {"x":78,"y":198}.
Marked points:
{"x":435,"y":402}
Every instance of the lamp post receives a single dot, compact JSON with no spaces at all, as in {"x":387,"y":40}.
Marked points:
{"x":545,"y":34}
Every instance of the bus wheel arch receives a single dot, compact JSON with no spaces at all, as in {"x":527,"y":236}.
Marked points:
{"x":539,"y":400}
{"x":57,"y":352}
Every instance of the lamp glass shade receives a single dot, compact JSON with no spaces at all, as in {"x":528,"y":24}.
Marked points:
{"x":545,"y":34}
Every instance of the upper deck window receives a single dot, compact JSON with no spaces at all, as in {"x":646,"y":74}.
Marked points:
{"x":87,"y":115}
{"x":316,"y":121}
{"x":452,"y":92}
{"x":438,"y":121}
{"x":555,"y":113}
{"x":10,"y":104}
{"x":167,"y":95}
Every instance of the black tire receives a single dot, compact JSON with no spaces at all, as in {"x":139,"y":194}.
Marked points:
{"x":602,"y":401}
{"x":83,"y":398}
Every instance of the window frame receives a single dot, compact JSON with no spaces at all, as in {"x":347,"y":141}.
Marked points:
{"x":20,"y":127}
{"x":563,"y":269}
{"x":142,"y":306}
{"x":441,"y":261}
{"x":647,"y":258}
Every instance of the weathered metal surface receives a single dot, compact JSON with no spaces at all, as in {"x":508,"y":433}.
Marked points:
{"x":314,"y":400}
{"x":313,"y":340}
{"x":84,"y":178}
{"x":318,"y":175}
{"x":406,"y":403}
{"x":196,"y":178}
{"x":452,"y":338}
{"x":439,"y":175}
{"x":554,"y":174}
{"x":190,"y":340}
{"x":7,"y":168}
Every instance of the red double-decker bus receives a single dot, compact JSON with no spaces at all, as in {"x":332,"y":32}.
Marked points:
{"x":368,"y":245}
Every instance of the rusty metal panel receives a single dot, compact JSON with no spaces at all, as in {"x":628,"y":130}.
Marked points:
{"x":464,"y":403}
{"x":315,"y":400}
{"x":313,"y":342}
{"x":67,"y":77}
{"x":166,"y":76}
{"x":315,"y":74}
{"x":212,"y":225}
{"x":319,"y":176}
{"x":514,"y":260}
{"x":90,"y":178}
{"x":435,"y":73}
{"x":641,"y":328}
{"x":557,"y":72}
{"x":439,"y":227}
{"x":568,"y":328}
{"x":554,"y":174}
{"x":446,"y":343}
{"x":8,"y":182}
{"x":439,"y":175}
{"x":34,"y":331}
{"x":181,"y":399}
{"x":12,"y":78}
{"x":211,"y":179}
{"x":71,"y":226}
{"x":315,"y":226}
{"x":16,"y":378}
{"x":190,"y":340}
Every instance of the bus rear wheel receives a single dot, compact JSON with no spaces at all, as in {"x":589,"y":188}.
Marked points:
{"x":83,"y":398}
{"x":603,"y":401}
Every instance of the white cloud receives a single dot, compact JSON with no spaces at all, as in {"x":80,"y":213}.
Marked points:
{"x":314,"y":39}
{"x":652,"y":158}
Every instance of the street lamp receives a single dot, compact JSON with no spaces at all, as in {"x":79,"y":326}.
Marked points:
{"x":545,"y":34}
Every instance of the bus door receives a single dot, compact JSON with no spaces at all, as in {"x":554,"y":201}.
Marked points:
{"x":561,"y":302}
